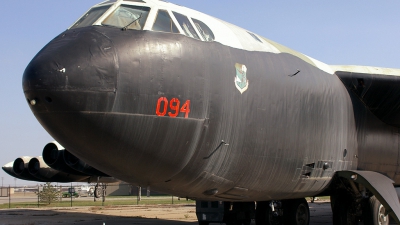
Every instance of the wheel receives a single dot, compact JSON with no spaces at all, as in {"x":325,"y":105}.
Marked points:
{"x":296,"y":212}
{"x":274,"y":219}
{"x":344,"y":212}
{"x":374,"y":213}
{"x":265,"y":216}
{"x":98,"y":191}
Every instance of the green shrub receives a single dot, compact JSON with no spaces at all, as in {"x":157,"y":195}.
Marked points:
{"x":49,"y":194}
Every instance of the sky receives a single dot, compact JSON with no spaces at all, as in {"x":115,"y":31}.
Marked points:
{"x":339,"y":32}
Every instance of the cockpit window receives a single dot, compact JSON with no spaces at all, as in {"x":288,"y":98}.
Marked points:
{"x":186,"y":25}
{"x":204,"y":30}
{"x":164,"y":23}
{"x":90,"y":17}
{"x":127,"y":16}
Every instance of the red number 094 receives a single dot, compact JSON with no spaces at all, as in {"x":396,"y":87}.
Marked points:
{"x":174,"y":105}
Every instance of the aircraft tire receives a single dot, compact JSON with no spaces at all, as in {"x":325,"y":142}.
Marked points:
{"x":344,"y":210}
{"x":264,"y":215}
{"x":98,"y":192}
{"x":297,"y":212}
{"x":374,"y":213}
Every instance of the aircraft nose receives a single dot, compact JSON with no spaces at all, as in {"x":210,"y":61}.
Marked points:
{"x":67,"y":70}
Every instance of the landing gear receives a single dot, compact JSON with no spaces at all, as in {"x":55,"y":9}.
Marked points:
{"x":348,"y":211}
{"x":294,"y":212}
{"x":354,"y":200}
{"x":288,"y":212}
{"x":230,"y":213}
{"x":100,"y":191}
{"x":374,"y":213}
{"x":344,"y":210}
{"x":269,"y":213}
{"x":297,"y":212}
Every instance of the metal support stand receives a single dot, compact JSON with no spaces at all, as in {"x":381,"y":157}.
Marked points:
{"x":38,"y":199}
{"x":71,"y":194}
{"x":104,"y":193}
{"x":139,"y":195}
{"x":9,"y":197}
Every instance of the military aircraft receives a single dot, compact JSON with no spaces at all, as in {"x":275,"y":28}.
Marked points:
{"x":164,"y":96}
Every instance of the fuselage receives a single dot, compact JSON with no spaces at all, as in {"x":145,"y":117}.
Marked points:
{"x":237,"y":117}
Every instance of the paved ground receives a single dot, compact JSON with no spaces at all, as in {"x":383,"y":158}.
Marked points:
{"x":122,"y":215}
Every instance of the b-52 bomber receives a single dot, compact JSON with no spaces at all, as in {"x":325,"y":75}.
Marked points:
{"x":162,"y":96}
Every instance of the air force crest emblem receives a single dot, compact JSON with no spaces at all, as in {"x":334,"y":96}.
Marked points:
{"x":241,"y":81}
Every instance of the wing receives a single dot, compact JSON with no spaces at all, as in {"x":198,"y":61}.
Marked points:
{"x":377,"y":88}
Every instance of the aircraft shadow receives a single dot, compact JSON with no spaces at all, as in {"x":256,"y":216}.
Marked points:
{"x":320,"y":213}
{"x":54,"y":216}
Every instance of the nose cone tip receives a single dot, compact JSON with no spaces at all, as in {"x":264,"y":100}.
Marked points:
{"x":76,"y":60}
{"x":8,"y":168}
{"x":69,"y":72}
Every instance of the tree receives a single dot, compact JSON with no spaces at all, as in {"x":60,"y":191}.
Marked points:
{"x":49,"y":194}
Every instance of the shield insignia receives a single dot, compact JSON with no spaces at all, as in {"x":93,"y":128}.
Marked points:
{"x":241,"y":81}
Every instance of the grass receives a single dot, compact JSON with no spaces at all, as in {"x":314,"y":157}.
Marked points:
{"x":110,"y":201}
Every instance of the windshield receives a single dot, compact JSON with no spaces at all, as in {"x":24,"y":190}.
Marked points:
{"x":127,"y":16}
{"x":204,"y":30}
{"x":164,"y":23}
{"x":90,"y":17}
{"x":186,"y":25}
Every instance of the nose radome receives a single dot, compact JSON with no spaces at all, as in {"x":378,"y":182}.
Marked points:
{"x":79,"y":59}
{"x":73,"y":65}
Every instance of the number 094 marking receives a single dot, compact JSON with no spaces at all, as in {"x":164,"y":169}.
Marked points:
{"x":174,"y":106}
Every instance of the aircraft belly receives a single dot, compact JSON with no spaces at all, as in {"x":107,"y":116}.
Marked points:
{"x":131,"y":147}
{"x":240,"y":125}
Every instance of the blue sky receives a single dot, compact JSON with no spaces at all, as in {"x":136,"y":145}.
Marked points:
{"x":334,"y":32}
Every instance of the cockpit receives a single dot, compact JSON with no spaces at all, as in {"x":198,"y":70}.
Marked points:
{"x":154,"y":15}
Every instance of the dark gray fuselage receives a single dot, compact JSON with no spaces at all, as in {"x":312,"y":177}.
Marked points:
{"x":282,"y":138}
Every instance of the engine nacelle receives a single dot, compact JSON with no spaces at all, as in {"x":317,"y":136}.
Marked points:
{"x":79,"y":165}
{"x":53,"y":155}
{"x":8,"y":168}
{"x":56,"y":165}
{"x":39,"y":169}
{"x":20,"y":169}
